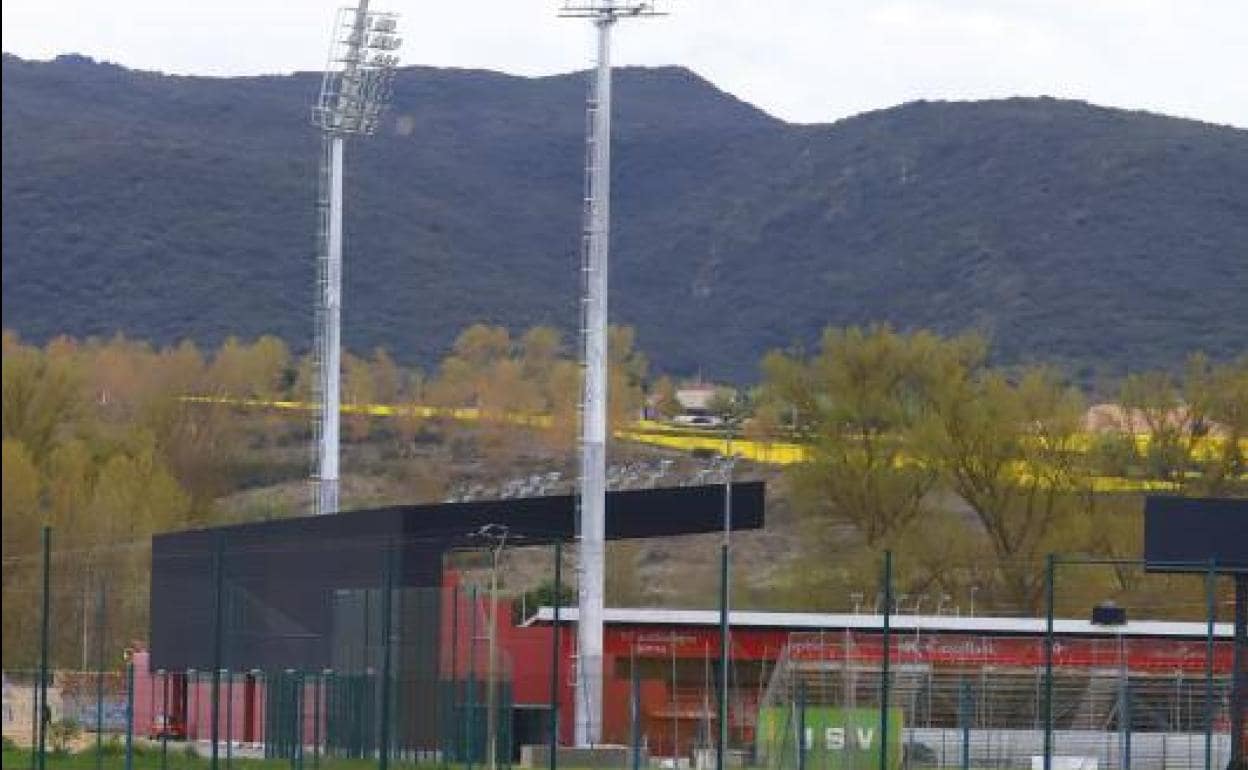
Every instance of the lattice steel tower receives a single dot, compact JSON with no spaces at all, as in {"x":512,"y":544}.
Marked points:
{"x":354,"y":92}
{"x":593,"y":446}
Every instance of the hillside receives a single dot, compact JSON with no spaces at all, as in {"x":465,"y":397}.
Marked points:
{"x":168,"y":207}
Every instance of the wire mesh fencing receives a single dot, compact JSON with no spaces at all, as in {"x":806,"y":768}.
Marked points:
{"x":303,"y":657}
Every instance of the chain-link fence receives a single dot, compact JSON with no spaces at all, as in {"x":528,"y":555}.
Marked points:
{"x":307,"y":656}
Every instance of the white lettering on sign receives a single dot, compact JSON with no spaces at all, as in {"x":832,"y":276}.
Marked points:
{"x":837,"y":738}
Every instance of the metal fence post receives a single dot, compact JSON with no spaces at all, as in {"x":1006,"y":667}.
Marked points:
{"x":964,"y":718}
{"x":164,"y":719}
{"x":99,"y":676}
{"x":192,"y":710}
{"x":884,"y":663}
{"x":229,"y":718}
{"x":298,"y":713}
{"x":801,"y":726}
{"x":333,"y":730}
{"x":451,"y":742}
{"x":316,"y":720}
{"x":217,"y":612}
{"x":45,"y":714}
{"x":1239,"y":672}
{"x":725,"y":556}
{"x":1050,"y":575}
{"x":1211,"y":616}
{"x":1126,"y":717}
{"x":556,"y":633}
{"x":129,"y":714}
{"x":634,"y":712}
{"x":387,"y":604}
{"x":470,"y":696}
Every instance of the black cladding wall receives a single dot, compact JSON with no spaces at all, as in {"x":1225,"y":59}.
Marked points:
{"x":1183,"y":534}
{"x":284,"y":583}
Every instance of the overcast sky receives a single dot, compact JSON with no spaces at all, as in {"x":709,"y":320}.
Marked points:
{"x":802,"y":60}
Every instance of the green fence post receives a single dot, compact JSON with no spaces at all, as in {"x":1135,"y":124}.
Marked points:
{"x":450,"y":722}
{"x":725,"y":557}
{"x":99,"y":676}
{"x":1050,"y":574}
{"x":45,"y":714}
{"x":298,"y":693}
{"x":192,"y":711}
{"x":556,"y":634}
{"x":129,"y":714}
{"x":635,"y":711}
{"x":229,"y":718}
{"x":1126,"y":717}
{"x":964,"y":717}
{"x":470,"y":696}
{"x":1211,"y":616}
{"x":164,"y":719}
{"x":218,"y":564}
{"x":316,"y":720}
{"x":333,"y":736}
{"x":801,"y":726}
{"x":884,"y":664}
{"x":289,"y":724}
{"x":387,"y":605}
{"x":1239,"y":669}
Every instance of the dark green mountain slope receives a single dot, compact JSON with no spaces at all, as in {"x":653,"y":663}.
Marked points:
{"x":167,"y":207}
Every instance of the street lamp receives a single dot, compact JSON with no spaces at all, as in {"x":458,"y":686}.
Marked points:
{"x":725,"y":556}
{"x":496,"y":537}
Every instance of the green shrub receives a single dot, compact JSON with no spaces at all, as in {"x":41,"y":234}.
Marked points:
{"x":62,"y":734}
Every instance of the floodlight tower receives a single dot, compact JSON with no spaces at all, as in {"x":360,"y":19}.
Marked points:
{"x":354,"y":92}
{"x":595,"y":248}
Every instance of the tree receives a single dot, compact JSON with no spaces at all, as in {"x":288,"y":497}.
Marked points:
{"x":1218,"y":393}
{"x":627,"y":372}
{"x":39,"y":396}
{"x":387,"y":378}
{"x":21,"y":522}
{"x":269,"y":368}
{"x":359,"y":391}
{"x":725,"y":404}
{"x":480,"y":345}
{"x":1153,"y":407}
{"x":21,"y":510}
{"x":540,"y":347}
{"x":858,"y":400}
{"x":1011,"y":452}
{"x":664,"y":395}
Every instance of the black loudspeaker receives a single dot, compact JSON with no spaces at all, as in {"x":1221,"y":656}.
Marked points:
{"x":1109,"y":614}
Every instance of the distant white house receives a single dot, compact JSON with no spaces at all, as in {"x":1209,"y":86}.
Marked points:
{"x":696,"y":397}
{"x":695,"y":401}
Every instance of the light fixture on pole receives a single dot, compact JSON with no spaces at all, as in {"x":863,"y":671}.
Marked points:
{"x":354,"y":92}
{"x":593,"y":446}
{"x":495,"y":537}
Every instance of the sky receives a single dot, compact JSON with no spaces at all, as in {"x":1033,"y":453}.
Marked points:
{"x":801,"y":60}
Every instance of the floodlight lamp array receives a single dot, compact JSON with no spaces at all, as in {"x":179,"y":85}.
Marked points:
{"x":359,"y":75}
{"x":608,"y":9}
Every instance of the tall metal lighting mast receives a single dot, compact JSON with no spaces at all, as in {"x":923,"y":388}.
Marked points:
{"x":354,"y":92}
{"x":595,"y":247}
